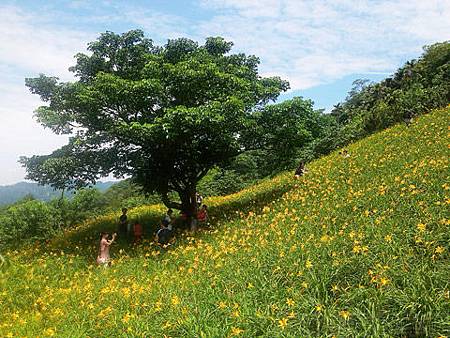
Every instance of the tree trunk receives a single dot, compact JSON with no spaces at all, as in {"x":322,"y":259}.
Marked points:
{"x":188,"y":201}
{"x":188,"y":205}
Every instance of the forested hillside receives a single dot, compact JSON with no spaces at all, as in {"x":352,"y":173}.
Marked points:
{"x":12,"y":193}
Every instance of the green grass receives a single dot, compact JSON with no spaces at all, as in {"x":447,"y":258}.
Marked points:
{"x":358,"y":247}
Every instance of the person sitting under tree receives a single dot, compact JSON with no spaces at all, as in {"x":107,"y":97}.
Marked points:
{"x":138,"y":232}
{"x":167,"y":220}
{"x":202,"y":215}
{"x":163,"y":234}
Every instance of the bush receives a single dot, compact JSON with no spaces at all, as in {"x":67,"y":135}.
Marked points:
{"x":32,"y":220}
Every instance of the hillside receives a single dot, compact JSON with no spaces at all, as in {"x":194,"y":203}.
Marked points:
{"x":14,"y":192}
{"x":357,"y":247}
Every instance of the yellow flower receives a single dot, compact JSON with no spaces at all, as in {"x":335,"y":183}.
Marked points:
{"x":175,"y":300}
{"x":235,"y":331}
{"x":384,"y":281}
{"x":290,"y":302}
{"x":439,"y":249}
{"x":308,"y":264}
{"x":319,"y":307}
{"x":49,"y":332}
{"x":158,"y":306}
{"x":126,"y":318}
{"x":282,"y":323}
{"x":344,"y":314}
{"x":388,"y":238}
{"x":421,"y":227}
{"x":222,"y":305}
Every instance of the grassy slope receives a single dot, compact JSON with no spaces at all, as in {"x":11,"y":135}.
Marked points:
{"x":357,"y":247}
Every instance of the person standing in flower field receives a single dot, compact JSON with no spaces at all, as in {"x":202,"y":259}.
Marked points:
{"x":344,"y":153}
{"x":103,"y":257}
{"x":123,"y":222}
{"x":301,"y":170}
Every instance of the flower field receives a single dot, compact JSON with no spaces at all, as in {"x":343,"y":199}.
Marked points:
{"x":358,"y":247}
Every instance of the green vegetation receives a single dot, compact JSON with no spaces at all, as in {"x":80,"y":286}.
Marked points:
{"x":357,"y":247}
{"x":163,"y":115}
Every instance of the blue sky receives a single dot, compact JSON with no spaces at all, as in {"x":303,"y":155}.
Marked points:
{"x":320,"y":46}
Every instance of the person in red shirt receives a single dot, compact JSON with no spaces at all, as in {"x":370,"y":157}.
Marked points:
{"x":138,"y":232}
{"x":202,"y":215}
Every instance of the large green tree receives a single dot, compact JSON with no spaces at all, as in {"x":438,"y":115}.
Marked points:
{"x":163,"y":115}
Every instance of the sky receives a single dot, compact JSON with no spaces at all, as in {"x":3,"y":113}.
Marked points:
{"x":319,"y":46}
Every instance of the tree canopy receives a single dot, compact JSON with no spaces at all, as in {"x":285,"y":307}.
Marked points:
{"x":162,"y":115}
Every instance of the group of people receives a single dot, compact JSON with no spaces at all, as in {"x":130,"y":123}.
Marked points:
{"x":165,"y":232}
{"x":135,"y":231}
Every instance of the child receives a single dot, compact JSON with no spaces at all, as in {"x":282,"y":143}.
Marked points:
{"x":138,"y":232}
{"x":202,"y":215}
{"x":103,"y":251}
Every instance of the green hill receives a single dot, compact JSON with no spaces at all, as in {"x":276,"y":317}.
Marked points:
{"x":12,"y":193}
{"x":357,"y":247}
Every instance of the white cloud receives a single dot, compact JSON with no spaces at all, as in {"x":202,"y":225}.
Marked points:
{"x":157,"y":25}
{"x":29,"y":46}
{"x":30,"y":43}
{"x":248,"y":8}
{"x":312,"y":42}
{"x":20,"y":135}
{"x":308,"y":42}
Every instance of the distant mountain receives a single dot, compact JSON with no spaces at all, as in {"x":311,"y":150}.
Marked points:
{"x":12,"y":193}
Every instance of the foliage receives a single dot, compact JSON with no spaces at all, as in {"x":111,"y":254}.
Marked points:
{"x":26,"y":220}
{"x":127,"y":194}
{"x":161,"y":115}
{"x":416,"y":88}
{"x":358,"y":247}
{"x":280,"y":131}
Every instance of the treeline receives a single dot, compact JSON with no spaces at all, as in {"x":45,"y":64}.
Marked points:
{"x":297,"y":132}
{"x":30,"y":218}
{"x":416,"y":88}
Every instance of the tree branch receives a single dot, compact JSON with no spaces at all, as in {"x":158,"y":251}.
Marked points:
{"x":168,"y":203}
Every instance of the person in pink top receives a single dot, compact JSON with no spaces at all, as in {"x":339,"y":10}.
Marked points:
{"x":103,"y":257}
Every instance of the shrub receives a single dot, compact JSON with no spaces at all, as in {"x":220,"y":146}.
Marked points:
{"x":29,"y":220}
